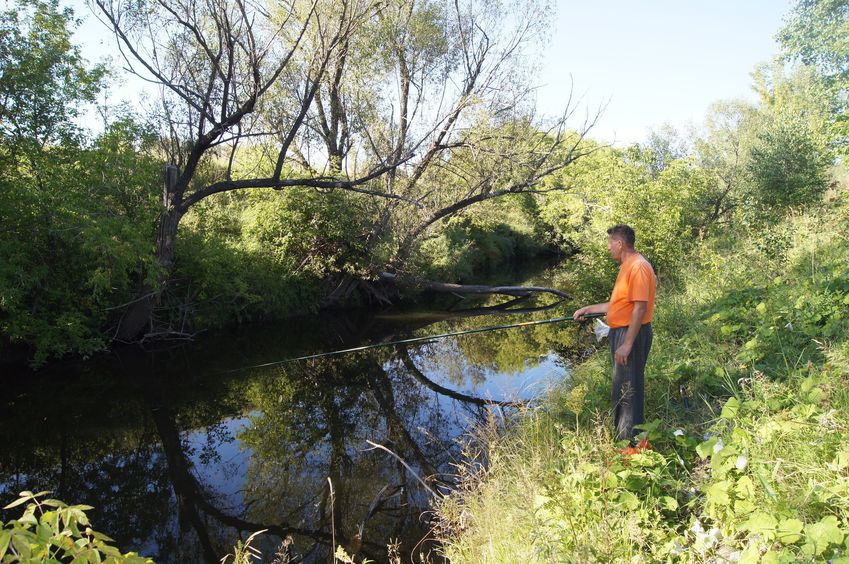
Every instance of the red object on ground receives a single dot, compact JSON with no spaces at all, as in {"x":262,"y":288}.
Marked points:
{"x":642,"y":445}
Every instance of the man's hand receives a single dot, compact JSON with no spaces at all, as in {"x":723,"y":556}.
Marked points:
{"x":621,"y":354}
{"x":580,"y":314}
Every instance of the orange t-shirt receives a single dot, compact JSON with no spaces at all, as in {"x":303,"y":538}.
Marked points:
{"x":636,"y":282}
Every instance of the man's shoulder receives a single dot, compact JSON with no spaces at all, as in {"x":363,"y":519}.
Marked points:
{"x":641,"y":263}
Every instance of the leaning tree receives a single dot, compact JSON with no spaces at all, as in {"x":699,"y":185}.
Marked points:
{"x":423,"y":106}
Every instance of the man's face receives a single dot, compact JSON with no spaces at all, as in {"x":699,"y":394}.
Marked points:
{"x":614,"y":247}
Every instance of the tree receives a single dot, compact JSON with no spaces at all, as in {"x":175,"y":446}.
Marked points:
{"x":789,"y":152}
{"x":44,"y":81}
{"x":666,"y":145}
{"x":72,"y":211}
{"x":238,"y":74}
{"x":815,"y":35}
{"x":722,"y":149}
{"x":215,"y":63}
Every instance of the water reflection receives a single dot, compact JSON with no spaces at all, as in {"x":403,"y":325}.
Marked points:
{"x":180,"y":453}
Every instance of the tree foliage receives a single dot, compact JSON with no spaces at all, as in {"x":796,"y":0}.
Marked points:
{"x":815,"y":35}
{"x":44,"y":80}
{"x":75,"y":215}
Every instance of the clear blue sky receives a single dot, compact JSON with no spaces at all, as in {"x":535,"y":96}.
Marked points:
{"x":656,"y":61}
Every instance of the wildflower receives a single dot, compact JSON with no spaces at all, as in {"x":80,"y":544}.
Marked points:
{"x":678,"y":432}
{"x":742,"y":462}
{"x":718,"y":446}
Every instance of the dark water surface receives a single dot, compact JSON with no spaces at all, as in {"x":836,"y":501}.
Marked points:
{"x":185,"y":450}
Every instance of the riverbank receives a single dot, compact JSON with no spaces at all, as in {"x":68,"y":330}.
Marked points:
{"x":753,"y":467}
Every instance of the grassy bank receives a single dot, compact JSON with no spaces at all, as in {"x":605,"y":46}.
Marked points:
{"x":755,"y":470}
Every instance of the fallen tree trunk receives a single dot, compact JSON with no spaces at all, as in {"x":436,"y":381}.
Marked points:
{"x":386,"y":289}
{"x":463,"y":289}
{"x":453,"y":314}
{"x":480,"y":289}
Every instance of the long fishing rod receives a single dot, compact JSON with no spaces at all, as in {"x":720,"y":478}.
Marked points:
{"x":425,"y":339}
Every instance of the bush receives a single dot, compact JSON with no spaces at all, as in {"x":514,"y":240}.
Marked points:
{"x":49,"y":530}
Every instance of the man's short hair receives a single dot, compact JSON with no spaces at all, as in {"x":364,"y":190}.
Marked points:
{"x":624,"y":233}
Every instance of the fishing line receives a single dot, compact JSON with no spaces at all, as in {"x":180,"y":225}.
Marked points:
{"x":425,"y":339}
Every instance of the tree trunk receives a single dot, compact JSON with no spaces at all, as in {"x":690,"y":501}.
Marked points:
{"x":140,"y":312}
{"x":445,"y":287}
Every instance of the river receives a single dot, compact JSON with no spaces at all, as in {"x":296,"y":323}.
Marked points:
{"x":183,"y":450}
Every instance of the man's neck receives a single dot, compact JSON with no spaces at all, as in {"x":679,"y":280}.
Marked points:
{"x":627,"y":254}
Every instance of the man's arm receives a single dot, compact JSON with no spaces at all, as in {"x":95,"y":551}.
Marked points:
{"x":595,"y":308}
{"x":621,"y":354}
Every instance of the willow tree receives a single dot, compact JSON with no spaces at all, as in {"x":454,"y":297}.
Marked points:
{"x":447,"y":82}
{"x":423,"y":106}
{"x":216,"y":62}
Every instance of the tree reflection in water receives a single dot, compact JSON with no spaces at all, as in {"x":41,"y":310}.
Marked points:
{"x":181,"y":458}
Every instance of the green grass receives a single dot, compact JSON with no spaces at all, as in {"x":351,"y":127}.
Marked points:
{"x":757,"y":470}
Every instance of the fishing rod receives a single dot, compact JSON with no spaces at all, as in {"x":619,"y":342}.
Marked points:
{"x":425,"y":339}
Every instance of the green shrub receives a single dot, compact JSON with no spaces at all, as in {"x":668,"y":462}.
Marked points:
{"x":49,"y":530}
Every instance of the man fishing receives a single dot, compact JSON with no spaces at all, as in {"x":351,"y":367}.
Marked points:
{"x":629,"y":314}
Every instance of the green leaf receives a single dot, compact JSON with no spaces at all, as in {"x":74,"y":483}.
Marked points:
{"x":43,"y":532}
{"x":745,"y":488}
{"x":761,"y":523}
{"x":705,"y":449}
{"x":789,"y":531}
{"x":743,"y":507}
{"x":5,"y":537}
{"x":807,"y":384}
{"x":730,"y":409}
{"x":767,"y":488}
{"x":28,"y":519}
{"x":650,"y":426}
{"x":718,"y":493}
{"x":24,"y":497}
{"x":752,"y":555}
{"x":819,"y":536}
{"x":669,"y":503}
{"x":770,"y":557}
{"x":21,"y":543}
{"x":841,"y":459}
{"x":102,"y":537}
{"x":629,"y":500}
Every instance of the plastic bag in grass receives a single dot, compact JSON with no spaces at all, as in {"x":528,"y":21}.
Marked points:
{"x":601,"y":330}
